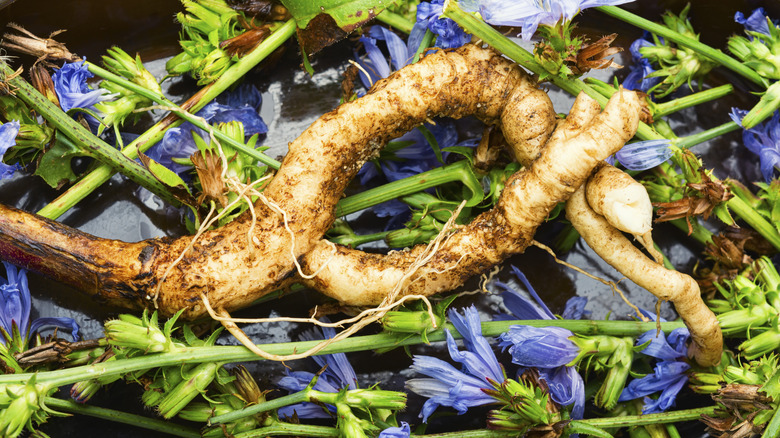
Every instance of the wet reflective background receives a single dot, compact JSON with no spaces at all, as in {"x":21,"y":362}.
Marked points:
{"x":292,"y":100}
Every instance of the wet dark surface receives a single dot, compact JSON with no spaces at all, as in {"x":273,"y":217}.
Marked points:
{"x":292,"y":100}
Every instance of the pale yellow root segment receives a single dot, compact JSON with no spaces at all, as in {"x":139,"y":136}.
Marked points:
{"x":682,"y":290}
{"x":621,"y":199}
{"x":357,"y":278}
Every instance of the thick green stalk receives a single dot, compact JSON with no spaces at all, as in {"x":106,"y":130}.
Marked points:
{"x":460,"y":171}
{"x":685,"y":41}
{"x":197,"y":121}
{"x":289,"y":429}
{"x":121,"y":417}
{"x":359,"y":239}
{"x":709,"y":134}
{"x":395,"y":20}
{"x":755,"y":220}
{"x":291,"y":399}
{"x":103,"y":173}
{"x":646,"y":419}
{"x":239,"y":353}
{"x":666,"y":108}
{"x":773,"y":427}
{"x":85,"y":140}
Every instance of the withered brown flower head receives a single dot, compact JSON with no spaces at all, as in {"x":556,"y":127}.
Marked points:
{"x":41,"y":80}
{"x":703,"y":198}
{"x":209,"y":167}
{"x":44,"y":49}
{"x":596,"y":55}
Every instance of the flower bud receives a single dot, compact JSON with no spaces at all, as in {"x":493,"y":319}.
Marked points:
{"x":763,"y":343}
{"x":141,"y":334}
{"x":198,"y":378}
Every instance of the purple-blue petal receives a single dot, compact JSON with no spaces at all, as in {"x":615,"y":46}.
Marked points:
{"x":662,"y":347}
{"x":396,"y":432}
{"x":756,"y":22}
{"x":575,"y":308}
{"x":478,"y":359}
{"x":541,"y":347}
{"x":643,"y":155}
{"x":566,"y":387}
{"x":70,"y":84}
{"x":68,"y":324}
{"x":8,"y":133}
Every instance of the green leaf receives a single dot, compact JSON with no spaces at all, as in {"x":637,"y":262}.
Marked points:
{"x":54,"y":166}
{"x":177,"y":186}
{"x":348,"y":14}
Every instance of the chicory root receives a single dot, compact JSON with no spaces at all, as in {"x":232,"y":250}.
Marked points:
{"x":357,"y":278}
{"x":232,"y":270}
{"x":682,"y":290}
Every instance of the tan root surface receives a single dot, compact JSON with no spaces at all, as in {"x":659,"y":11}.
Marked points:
{"x":359,"y":278}
{"x":682,"y":290}
{"x":223,"y":264}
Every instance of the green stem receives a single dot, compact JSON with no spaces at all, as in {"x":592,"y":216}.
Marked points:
{"x":666,"y":108}
{"x":395,"y":20}
{"x":699,"y":234}
{"x":755,"y":220}
{"x":102,"y":174}
{"x":289,"y":429}
{"x":709,"y":134}
{"x":495,"y":39}
{"x":85,"y":140}
{"x":297,"y":397}
{"x":479,"y":433}
{"x":359,"y":239}
{"x":685,"y":41}
{"x":121,"y":417}
{"x":773,"y":427}
{"x":197,"y":121}
{"x":646,"y":419}
{"x":239,"y":353}
{"x":460,"y":171}
{"x":424,"y":44}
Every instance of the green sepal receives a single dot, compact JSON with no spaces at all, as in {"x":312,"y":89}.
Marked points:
{"x":173,"y":181}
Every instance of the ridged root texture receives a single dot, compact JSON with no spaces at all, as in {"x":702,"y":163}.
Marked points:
{"x":358,"y":278}
{"x":233,"y":270}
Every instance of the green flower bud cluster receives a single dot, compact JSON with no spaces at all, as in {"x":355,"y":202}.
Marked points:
{"x":610,"y":355}
{"x":677,"y":65}
{"x":525,"y":405}
{"x":429,"y":215}
{"x":415,"y":319}
{"x":230,"y":393}
{"x":33,"y":137}
{"x":761,"y":52}
{"x":117,"y":110}
{"x":206,"y":24}
{"x":557,"y":51}
{"x":22,"y":407}
{"x":751,"y":305}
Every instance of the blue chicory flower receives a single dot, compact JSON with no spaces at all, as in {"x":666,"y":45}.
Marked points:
{"x":540,"y":347}
{"x":756,"y":22}
{"x":668,"y":375}
{"x":338,"y":375}
{"x":643,"y":155}
{"x":641,"y":68}
{"x":529,"y":14}
{"x":8,"y":133}
{"x":763,"y":140}
{"x":15,"y":304}
{"x":397,"y":432}
{"x":376,"y":65}
{"x":448,"y":386}
{"x":564,"y":382}
{"x":449,"y":34}
{"x":70,"y":84}
{"x":240,"y":105}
